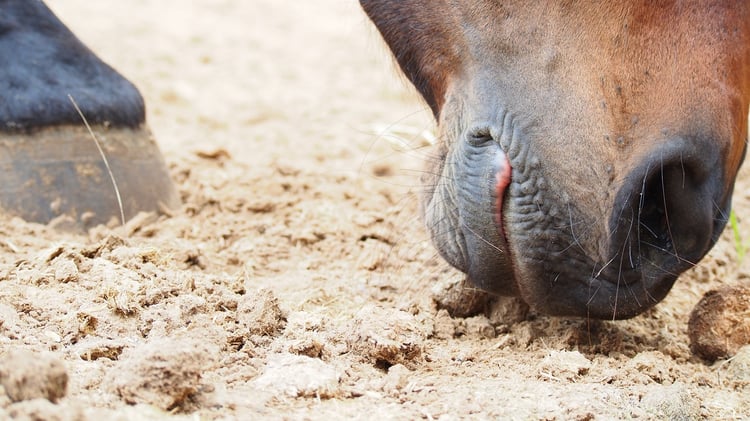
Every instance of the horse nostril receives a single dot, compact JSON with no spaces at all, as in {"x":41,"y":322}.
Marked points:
{"x":675,"y":215}
{"x":672,"y":209}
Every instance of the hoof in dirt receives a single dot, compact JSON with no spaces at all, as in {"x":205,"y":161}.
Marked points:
{"x":59,"y":171}
{"x":50,"y":165}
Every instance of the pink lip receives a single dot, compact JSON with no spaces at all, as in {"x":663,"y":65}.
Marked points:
{"x":501,"y":184}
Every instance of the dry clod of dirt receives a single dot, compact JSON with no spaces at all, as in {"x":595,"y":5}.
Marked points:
{"x":373,"y":254}
{"x":259,"y":312}
{"x":564,"y":366}
{"x":310,"y":347}
{"x":653,"y":367}
{"x":443,"y":325}
{"x":8,"y":321}
{"x":4,"y":399}
{"x":736,"y":370}
{"x":65,"y":270}
{"x":304,"y":335}
{"x":397,"y":379}
{"x":457,"y":295}
{"x":507,"y":311}
{"x":138,"y":412}
{"x":476,"y":327}
{"x":166,"y":373}
{"x":299,"y":376}
{"x":100,"y":348}
{"x":720,"y":323}
{"x":524,"y":334}
{"x":386,"y":337}
{"x":139,"y":223}
{"x":120,"y":286}
{"x":672,"y":402}
{"x":27,"y":375}
{"x":42,"y":410}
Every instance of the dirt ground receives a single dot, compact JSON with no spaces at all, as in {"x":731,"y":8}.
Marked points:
{"x":296,"y":280}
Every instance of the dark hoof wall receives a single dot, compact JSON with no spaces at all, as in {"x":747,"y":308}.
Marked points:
{"x":59,"y":171}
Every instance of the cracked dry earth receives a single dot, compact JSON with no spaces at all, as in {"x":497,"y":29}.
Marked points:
{"x":296,"y":281}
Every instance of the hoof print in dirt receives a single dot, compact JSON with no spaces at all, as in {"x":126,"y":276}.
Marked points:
{"x":299,"y":376}
{"x":27,"y":375}
{"x":387,"y":337}
{"x":166,"y":373}
{"x":719,"y":325}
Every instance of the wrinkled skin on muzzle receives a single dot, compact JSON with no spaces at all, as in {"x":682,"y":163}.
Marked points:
{"x":588,"y":149}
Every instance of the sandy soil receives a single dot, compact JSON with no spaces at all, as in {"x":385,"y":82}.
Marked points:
{"x":296,"y":280}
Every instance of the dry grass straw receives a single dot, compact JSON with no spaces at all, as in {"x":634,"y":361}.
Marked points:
{"x":104,"y":158}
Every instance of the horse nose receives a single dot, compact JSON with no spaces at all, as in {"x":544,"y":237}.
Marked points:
{"x":673,"y":207}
